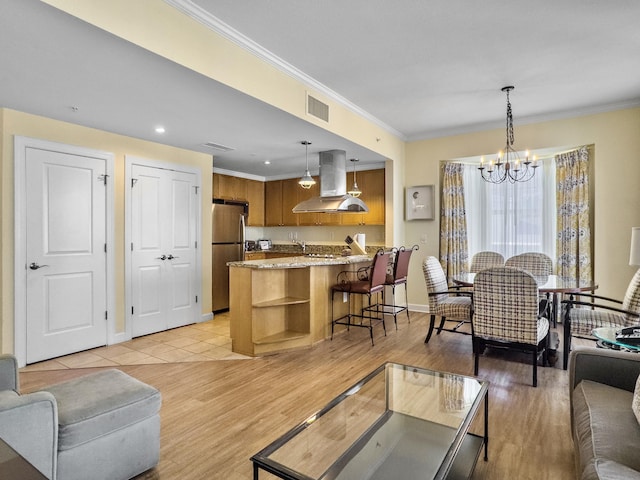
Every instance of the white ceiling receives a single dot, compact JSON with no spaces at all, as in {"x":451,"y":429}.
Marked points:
{"x":420,"y":68}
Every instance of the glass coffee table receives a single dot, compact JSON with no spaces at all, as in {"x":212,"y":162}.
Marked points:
{"x":607,"y":339}
{"x":398,"y":422}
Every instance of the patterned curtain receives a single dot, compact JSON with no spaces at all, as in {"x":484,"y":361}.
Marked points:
{"x":454,"y":252}
{"x":574,"y":230}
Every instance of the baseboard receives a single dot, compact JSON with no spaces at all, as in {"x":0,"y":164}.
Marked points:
{"x":416,"y":307}
{"x":206,"y":317}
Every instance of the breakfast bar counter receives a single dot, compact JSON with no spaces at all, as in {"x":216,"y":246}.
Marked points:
{"x":284,"y":303}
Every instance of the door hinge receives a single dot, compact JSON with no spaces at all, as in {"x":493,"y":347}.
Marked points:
{"x":103,"y":178}
{"x":132,"y":246}
{"x":106,"y":315}
{"x":133,"y":182}
{"x":196,"y":189}
{"x":131,"y":310}
{"x":105,"y":248}
{"x":196,"y":298}
{"x":196,"y":242}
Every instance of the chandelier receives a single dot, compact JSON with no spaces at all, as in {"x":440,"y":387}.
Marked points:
{"x":508,"y":165}
{"x":307,"y":180}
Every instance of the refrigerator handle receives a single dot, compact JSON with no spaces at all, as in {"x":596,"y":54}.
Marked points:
{"x":242,"y":234}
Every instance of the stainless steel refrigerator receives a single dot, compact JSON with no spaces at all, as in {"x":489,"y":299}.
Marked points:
{"x":228,"y":220}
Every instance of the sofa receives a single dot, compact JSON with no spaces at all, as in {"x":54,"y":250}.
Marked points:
{"x":604,"y":426}
{"x":103,"y":425}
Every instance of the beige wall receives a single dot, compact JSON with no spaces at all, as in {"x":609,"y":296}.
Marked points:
{"x":14,"y":123}
{"x":616,"y":139}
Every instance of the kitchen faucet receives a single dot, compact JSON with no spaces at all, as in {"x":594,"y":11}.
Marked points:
{"x":302,"y":244}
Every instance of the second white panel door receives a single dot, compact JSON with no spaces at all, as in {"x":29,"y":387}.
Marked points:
{"x":164,"y":206}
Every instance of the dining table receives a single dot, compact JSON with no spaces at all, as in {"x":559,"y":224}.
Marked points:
{"x":551,"y":284}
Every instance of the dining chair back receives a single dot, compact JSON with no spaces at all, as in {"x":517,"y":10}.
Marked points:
{"x":482,"y":260}
{"x":537,"y":264}
{"x":448,"y":304}
{"x":366,"y":282}
{"x":505,"y":314}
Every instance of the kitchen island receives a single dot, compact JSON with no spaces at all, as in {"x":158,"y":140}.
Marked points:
{"x":284,"y":303}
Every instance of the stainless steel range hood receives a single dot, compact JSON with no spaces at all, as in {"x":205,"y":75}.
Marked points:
{"x":333,"y":188}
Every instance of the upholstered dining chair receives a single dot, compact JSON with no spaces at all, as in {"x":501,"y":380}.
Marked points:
{"x":449,"y":304}
{"x":398,"y":276}
{"x":538,"y":265}
{"x":366,"y":282}
{"x":482,"y":260}
{"x":505,"y":314}
{"x":585,"y":311}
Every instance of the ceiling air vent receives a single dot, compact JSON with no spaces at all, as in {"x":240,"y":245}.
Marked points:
{"x":217,"y":146}
{"x":317,"y":108}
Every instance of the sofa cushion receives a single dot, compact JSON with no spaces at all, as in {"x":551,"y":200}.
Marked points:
{"x":605,"y":427}
{"x":100,"y":403}
{"x":608,"y":470}
{"x":635,"y":405}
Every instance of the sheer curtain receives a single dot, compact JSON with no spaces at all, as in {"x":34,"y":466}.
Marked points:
{"x":511,"y":218}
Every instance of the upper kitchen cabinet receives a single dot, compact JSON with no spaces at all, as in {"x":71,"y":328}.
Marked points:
{"x":280,"y":198}
{"x":242,"y":189}
{"x":371,"y":183}
{"x":255,"y":197}
{"x":229,"y":188}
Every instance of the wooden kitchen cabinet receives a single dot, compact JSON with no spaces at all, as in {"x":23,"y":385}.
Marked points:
{"x":229,"y":188}
{"x":371,"y":183}
{"x":280,"y":198}
{"x":255,"y":197}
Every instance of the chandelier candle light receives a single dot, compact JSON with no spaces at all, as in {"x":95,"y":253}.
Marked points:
{"x":307,"y":180}
{"x":507,"y":165}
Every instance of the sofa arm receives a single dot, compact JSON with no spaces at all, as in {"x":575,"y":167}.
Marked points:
{"x":8,"y":373}
{"x":610,"y":367}
{"x":29,"y":424}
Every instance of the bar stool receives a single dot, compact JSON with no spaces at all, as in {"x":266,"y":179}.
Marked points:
{"x":398,"y":276}
{"x":368,"y":281}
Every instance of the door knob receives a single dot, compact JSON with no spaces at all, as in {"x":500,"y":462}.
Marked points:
{"x":171,"y":257}
{"x":35,"y":266}
{"x":163,"y":257}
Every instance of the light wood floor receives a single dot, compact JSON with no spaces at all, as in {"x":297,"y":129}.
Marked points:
{"x":216,"y":414}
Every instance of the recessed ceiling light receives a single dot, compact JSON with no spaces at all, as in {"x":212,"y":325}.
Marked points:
{"x":160,"y":130}
{"x":267,"y":162}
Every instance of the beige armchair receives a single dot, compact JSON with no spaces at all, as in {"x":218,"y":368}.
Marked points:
{"x":505,"y":314}
{"x":104,"y":425}
{"x":585,"y":311}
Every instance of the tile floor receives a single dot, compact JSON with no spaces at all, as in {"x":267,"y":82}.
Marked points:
{"x":200,"y":342}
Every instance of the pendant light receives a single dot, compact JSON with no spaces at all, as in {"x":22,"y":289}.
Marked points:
{"x":354,"y":191}
{"x":307,"y":180}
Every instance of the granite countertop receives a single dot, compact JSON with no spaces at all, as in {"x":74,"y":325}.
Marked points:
{"x":301,"y":262}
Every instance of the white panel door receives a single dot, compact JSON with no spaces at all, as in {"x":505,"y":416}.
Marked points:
{"x":163,"y":249}
{"x":66,"y":302}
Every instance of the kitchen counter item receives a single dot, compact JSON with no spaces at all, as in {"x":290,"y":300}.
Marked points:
{"x":300,"y":262}
{"x":264,"y":244}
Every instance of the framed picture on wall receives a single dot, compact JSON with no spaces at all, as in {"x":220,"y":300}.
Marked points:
{"x":419,"y":203}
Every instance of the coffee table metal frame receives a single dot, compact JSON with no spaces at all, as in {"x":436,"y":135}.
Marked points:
{"x":461,"y":453}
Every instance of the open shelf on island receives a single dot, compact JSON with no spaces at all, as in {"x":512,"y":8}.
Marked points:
{"x":277,"y":302}
{"x":282,"y":336}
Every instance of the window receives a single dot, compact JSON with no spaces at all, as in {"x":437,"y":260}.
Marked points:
{"x":511,"y":218}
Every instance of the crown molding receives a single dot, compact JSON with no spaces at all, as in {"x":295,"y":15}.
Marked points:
{"x":212,"y":22}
